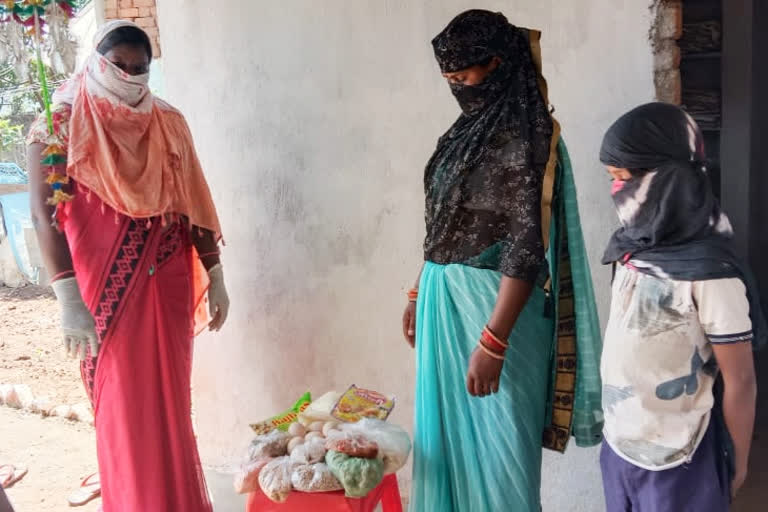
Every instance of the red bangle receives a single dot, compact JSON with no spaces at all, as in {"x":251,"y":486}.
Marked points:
{"x":205,"y":255}
{"x":62,"y":274}
{"x":492,"y":346}
{"x":413,"y":294}
{"x":493,"y":339}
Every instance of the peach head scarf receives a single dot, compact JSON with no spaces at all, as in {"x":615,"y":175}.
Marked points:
{"x":132,"y":150}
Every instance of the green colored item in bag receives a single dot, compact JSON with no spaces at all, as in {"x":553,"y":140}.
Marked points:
{"x":283,"y":420}
{"x":358,"y":476}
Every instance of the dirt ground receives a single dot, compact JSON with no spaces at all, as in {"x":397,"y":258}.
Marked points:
{"x":58,"y":453}
{"x":31,"y":350}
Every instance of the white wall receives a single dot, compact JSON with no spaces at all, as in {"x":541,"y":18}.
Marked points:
{"x":314,"y":121}
{"x":83,"y":27}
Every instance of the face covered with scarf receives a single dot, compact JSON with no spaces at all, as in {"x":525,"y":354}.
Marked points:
{"x":497,"y":88}
{"x":480,"y":54}
{"x":661,"y":191}
{"x":132,"y":150}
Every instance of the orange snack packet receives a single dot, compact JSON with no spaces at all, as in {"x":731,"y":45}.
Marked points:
{"x":358,"y":403}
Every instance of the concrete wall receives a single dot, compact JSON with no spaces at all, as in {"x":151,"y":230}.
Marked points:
{"x":314,"y":121}
{"x":10,"y":275}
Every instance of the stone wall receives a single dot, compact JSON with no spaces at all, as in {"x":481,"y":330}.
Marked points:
{"x":141,"y":12}
{"x":666,"y":30}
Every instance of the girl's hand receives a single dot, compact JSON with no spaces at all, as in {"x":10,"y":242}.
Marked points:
{"x":738,"y":481}
{"x":484,"y":374}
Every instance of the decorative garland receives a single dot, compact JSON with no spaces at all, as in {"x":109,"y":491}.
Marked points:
{"x":32,"y":14}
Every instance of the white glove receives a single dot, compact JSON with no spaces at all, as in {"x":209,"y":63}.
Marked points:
{"x":77,"y":324}
{"x":218,"y":300}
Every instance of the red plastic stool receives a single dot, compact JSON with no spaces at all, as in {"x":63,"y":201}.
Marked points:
{"x":388,"y":494}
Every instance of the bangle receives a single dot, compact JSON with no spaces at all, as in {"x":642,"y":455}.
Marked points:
{"x":205,"y":255}
{"x":492,"y":343}
{"x":489,"y":333}
{"x":491,"y":353}
{"x":413,"y":294}
{"x":62,"y":274}
{"x":485,"y":344}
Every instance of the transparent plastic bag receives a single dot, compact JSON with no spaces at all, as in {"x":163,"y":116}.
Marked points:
{"x":354,"y":445}
{"x":394,"y":443}
{"x":358,"y":476}
{"x":310,"y":452}
{"x":275,"y":479}
{"x":315,"y":478}
{"x":247,"y":479}
{"x":274,"y":444}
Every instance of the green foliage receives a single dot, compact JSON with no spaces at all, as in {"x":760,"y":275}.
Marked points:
{"x":10,"y":135}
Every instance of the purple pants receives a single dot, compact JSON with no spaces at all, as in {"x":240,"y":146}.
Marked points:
{"x":696,"y":487}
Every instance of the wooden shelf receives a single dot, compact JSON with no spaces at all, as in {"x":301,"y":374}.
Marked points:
{"x":702,"y":56}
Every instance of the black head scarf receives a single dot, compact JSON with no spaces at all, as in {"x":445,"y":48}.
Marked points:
{"x":474,"y":38}
{"x":503,"y":134}
{"x":672,"y":223}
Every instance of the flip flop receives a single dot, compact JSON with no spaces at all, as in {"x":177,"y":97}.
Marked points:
{"x":6,"y":473}
{"x":10,"y":475}
{"x":89,"y":490}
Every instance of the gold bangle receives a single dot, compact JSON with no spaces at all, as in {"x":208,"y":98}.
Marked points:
{"x":490,"y":353}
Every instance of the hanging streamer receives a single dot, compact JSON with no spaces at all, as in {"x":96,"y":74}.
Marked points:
{"x":32,"y":14}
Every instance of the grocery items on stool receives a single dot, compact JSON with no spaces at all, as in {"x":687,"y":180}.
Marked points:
{"x":341,"y":442}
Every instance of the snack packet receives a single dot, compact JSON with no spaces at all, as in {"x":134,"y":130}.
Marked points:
{"x":283,"y":420}
{"x":320,"y":409}
{"x":357,"y":403}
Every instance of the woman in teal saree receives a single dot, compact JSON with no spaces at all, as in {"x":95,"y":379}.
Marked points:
{"x":503,"y":317}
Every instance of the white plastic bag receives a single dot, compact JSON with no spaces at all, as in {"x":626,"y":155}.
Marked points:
{"x":275,"y":479}
{"x":394,"y":442}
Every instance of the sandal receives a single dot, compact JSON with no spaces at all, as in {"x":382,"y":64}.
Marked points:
{"x":10,"y":475}
{"x":89,"y":490}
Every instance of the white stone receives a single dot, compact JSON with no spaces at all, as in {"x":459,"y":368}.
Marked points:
{"x":61,"y":411}
{"x":41,"y":405}
{"x":24,"y":396}
{"x":5,"y":392}
{"x":82,"y":412}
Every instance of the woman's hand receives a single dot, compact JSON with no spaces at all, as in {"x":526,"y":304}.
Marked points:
{"x":484,"y":374}
{"x":218,"y":300}
{"x":409,"y":324}
{"x":77,"y":325}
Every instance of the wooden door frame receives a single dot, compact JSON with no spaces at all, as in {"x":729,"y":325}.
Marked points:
{"x":744,"y":138}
